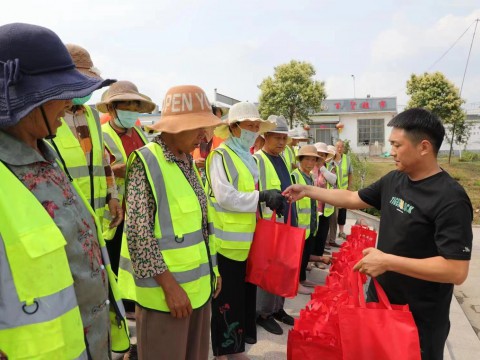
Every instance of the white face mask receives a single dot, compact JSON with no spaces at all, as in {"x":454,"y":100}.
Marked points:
{"x":126,"y":119}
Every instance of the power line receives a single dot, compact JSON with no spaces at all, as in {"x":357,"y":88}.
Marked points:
{"x":468,"y":57}
{"x":451,"y":47}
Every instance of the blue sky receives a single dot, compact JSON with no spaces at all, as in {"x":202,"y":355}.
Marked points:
{"x":233,"y":45}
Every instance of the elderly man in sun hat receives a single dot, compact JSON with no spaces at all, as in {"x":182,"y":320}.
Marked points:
{"x":273,"y":174}
{"x":168,"y":265}
{"x":123,"y":102}
{"x":54,"y":288}
{"x":233,"y":196}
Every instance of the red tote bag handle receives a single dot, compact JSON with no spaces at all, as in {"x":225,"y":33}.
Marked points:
{"x":289,"y":215}
{"x":359,"y":294}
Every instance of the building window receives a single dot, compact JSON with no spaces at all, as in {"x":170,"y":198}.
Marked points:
{"x":326,"y":133}
{"x":370,"y":131}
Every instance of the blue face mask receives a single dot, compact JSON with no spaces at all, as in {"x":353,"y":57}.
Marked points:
{"x":126,"y":119}
{"x":247,"y":138}
{"x":82,"y":100}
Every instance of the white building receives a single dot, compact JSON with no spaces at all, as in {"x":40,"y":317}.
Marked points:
{"x":364,"y":123}
{"x":473,"y":143}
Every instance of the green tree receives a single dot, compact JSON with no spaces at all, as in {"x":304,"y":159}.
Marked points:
{"x":291,"y":92}
{"x":436,"y":93}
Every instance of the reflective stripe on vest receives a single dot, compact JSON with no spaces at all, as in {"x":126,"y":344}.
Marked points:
{"x":74,"y":157}
{"x":304,"y":206}
{"x":40,"y":318}
{"x":268,"y":179}
{"x":342,"y":172}
{"x":114,"y":145}
{"x":233,"y":231}
{"x":178,"y":220}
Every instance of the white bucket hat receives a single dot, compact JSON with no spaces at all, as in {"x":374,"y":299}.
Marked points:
{"x":239,"y":112}
{"x":297,"y":134}
{"x":323,"y":148}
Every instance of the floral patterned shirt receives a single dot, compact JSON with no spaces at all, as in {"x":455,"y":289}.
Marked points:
{"x":40,"y":174}
{"x":145,"y":252}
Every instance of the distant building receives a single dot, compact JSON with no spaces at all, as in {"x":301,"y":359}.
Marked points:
{"x":364,"y":123}
{"x":473,"y":143}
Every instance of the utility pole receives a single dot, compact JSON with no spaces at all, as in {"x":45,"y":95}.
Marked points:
{"x":353,"y":77}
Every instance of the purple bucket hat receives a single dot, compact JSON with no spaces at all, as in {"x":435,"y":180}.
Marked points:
{"x":35,"y":67}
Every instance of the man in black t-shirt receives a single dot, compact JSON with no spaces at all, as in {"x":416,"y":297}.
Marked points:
{"x":425,"y":238}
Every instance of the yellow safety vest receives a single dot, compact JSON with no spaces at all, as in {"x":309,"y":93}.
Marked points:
{"x":119,"y":332}
{"x":304,"y":206}
{"x":178,"y":228}
{"x":91,"y":180}
{"x":114,"y":145}
{"x":233,"y":231}
{"x":288,"y":156}
{"x":342,"y":172}
{"x":40,"y":318}
{"x":267,"y":180}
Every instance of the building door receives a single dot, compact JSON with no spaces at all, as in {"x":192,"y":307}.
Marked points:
{"x":326,"y":133}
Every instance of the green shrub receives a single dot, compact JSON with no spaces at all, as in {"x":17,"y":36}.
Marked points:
{"x":468,"y":156}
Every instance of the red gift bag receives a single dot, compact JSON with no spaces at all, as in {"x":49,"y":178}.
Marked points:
{"x":303,"y":346}
{"x":362,"y":237}
{"x":275,"y":256}
{"x":377,"y":330}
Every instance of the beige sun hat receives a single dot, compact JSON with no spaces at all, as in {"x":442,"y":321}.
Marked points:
{"x":82,"y":60}
{"x":125,"y":91}
{"x":323,"y":148}
{"x":243,"y":111}
{"x":307,"y":150}
{"x":185,"y":107}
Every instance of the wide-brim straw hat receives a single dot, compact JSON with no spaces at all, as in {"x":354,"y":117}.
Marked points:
{"x":82,"y":60}
{"x":35,"y":67}
{"x":323,"y":148}
{"x":307,"y":150}
{"x":239,"y":112}
{"x":125,"y":91}
{"x":185,"y":107}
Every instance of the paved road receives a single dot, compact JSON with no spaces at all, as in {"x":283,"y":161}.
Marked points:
{"x":468,"y":294}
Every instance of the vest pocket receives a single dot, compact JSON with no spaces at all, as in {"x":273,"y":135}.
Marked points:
{"x":43,"y":250}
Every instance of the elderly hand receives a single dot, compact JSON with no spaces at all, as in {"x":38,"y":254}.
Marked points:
{"x":176,"y":298}
{"x":218,"y":288}
{"x":295,"y":192}
{"x":373,"y":263}
{"x":116,"y":212}
{"x":119,"y":170}
{"x":200,"y":163}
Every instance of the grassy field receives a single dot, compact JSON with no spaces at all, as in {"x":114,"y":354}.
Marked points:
{"x":466,"y":173}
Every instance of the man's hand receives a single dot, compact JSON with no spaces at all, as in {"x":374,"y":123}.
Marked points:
{"x":218,"y":288}
{"x":177,"y":299}
{"x":116,"y":212}
{"x":295,"y":192}
{"x":200,"y":163}
{"x":119,"y":170}
{"x":373,"y":263}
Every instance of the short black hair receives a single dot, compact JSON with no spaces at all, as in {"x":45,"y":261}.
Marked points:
{"x":420,"y":124}
{"x":215,"y":109}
